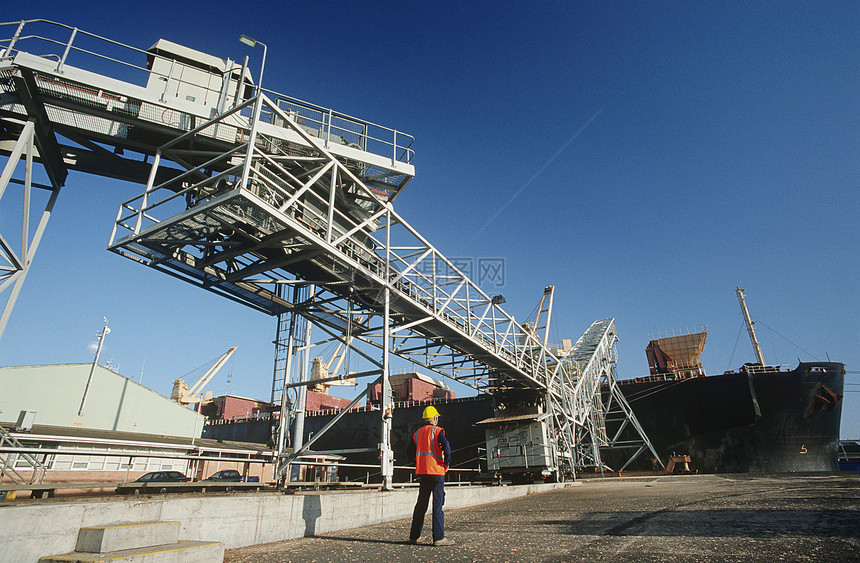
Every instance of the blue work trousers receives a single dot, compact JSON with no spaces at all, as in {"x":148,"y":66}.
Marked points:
{"x":435,"y":485}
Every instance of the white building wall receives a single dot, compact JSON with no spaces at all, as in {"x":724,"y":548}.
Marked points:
{"x":114,"y":402}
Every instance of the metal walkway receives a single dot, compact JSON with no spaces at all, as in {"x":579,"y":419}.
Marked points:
{"x":599,"y":403}
{"x":288,"y":208}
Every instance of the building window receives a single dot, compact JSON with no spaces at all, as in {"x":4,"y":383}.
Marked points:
{"x":21,"y":462}
{"x":62,"y":465}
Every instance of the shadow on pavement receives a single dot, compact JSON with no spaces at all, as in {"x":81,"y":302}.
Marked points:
{"x":367,"y":540}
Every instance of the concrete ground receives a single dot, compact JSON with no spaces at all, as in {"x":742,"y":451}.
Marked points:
{"x":679,"y":518}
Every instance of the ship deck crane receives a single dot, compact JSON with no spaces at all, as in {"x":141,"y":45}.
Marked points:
{"x":750,"y":326}
{"x":184,"y":395}
{"x":323,"y":374}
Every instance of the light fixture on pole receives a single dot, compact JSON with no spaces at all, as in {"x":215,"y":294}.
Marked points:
{"x":102,"y":335}
{"x":253,"y":43}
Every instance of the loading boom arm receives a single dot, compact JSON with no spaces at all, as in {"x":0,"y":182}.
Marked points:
{"x":193,"y":395}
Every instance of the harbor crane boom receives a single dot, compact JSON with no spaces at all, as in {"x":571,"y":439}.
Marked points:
{"x":185,"y":396}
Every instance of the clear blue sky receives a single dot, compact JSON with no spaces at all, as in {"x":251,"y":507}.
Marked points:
{"x":721,"y":150}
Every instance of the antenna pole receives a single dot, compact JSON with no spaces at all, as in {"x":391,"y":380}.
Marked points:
{"x":102,"y":335}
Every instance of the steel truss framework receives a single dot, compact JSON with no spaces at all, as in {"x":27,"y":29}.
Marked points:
{"x":37,"y":468}
{"x":271,"y":212}
{"x":264,"y":196}
{"x":14,"y":266}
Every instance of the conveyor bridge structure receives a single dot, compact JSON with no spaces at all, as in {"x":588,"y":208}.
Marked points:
{"x":285,"y":207}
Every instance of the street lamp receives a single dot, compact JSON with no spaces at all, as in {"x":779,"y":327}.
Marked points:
{"x":102,"y":335}
{"x":253,"y":43}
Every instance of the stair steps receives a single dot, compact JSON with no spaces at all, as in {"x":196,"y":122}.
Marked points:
{"x":140,"y":542}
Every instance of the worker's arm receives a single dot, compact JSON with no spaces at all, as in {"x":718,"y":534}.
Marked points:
{"x":411,"y":449}
{"x":446,"y":447}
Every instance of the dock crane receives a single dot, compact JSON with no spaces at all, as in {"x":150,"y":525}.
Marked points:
{"x":184,"y":395}
{"x":750,"y":325}
{"x":322,"y":371}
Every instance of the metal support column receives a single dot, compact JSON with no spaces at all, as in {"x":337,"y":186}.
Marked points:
{"x":296,"y":329}
{"x":14,"y":266}
{"x":304,"y":374}
{"x":286,"y":404}
{"x":386,"y":402}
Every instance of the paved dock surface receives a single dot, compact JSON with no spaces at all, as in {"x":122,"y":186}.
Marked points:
{"x":677,"y":518}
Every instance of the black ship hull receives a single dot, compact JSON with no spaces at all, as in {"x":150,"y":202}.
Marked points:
{"x":762,"y":420}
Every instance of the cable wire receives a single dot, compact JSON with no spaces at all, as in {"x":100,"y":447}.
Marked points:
{"x":787,"y":340}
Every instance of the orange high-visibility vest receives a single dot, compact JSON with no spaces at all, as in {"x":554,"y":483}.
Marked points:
{"x":428,"y":452}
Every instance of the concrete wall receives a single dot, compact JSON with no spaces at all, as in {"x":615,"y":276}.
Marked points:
{"x":114,"y":402}
{"x":30,"y":530}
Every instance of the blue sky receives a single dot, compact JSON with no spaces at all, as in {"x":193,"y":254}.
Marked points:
{"x":645,"y":160}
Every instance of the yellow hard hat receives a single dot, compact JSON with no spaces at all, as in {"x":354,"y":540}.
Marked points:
{"x":429,"y":413}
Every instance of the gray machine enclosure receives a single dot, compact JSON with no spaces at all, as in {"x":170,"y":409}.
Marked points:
{"x":519,"y":445}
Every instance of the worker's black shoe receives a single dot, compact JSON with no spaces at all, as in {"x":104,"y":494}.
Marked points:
{"x":443,"y":541}
{"x":413,"y":542}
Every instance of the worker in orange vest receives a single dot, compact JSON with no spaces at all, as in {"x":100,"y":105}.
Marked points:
{"x":432,"y":457}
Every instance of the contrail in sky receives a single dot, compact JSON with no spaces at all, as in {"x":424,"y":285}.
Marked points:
{"x":536,"y":174}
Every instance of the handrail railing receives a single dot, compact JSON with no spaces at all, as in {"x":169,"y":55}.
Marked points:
{"x":69,"y":46}
{"x":331,"y":126}
{"x":7,"y":468}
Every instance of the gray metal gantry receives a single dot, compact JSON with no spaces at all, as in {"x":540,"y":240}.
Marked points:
{"x":287,"y":208}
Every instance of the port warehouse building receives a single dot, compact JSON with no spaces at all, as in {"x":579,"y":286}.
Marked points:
{"x":123,"y":431}
{"x":126,"y":429}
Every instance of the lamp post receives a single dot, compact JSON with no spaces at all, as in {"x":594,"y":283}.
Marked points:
{"x":102,"y":335}
{"x":258,"y":106}
{"x":253,"y":43}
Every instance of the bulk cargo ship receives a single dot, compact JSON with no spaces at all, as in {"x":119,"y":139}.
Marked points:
{"x":759,"y":418}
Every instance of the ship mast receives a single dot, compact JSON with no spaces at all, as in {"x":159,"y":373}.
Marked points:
{"x":753,"y":339}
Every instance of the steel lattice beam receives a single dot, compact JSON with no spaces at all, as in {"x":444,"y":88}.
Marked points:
{"x":14,"y":266}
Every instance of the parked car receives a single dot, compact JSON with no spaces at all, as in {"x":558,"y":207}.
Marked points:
{"x":231,"y":475}
{"x":162,"y":477}
{"x":153,"y":481}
